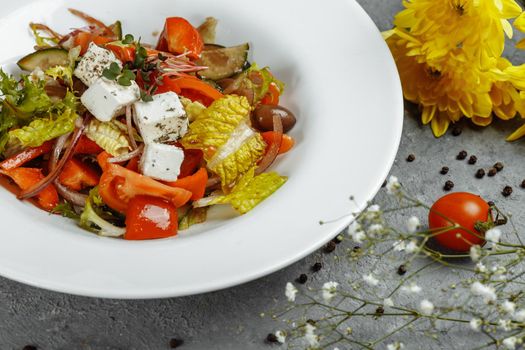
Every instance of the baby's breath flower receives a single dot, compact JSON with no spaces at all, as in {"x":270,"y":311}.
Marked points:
{"x":388,"y":302}
{"x":356,"y":232}
{"x":281,"y":336}
{"x":493,"y":235}
{"x":508,"y":306}
{"x":392,"y":185}
{"x":520,"y":315}
{"x":510,"y":343}
{"x":475,"y":324}
{"x":375,"y":229}
{"x":505,"y":325}
{"x":370,"y":280}
{"x":395,"y":346}
{"x":411,"y":288}
{"x":413,"y":224}
{"x":487,"y":292}
{"x":311,"y":338}
{"x":374,"y":208}
{"x":399,"y":246}
{"x":329,"y":290}
{"x":475,"y":252}
{"x":480,"y":267}
{"x":290,"y":291}
{"x":426,"y":307}
{"x":411,"y":247}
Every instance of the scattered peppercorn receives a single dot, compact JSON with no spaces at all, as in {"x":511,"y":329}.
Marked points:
{"x":317,"y":267}
{"x":456,"y":131}
{"x":461,"y":155}
{"x":448,"y":185}
{"x":401,"y":270}
{"x":356,"y":249}
{"x":480,"y":173}
{"x":380,"y":310}
{"x":492,"y":172}
{"x":310,"y":321}
{"x":507,"y":191}
{"x":330,"y":247}
{"x":302,"y":279}
{"x":271,"y":338}
{"x":444,"y":170}
{"x":411,"y":158}
{"x":175,"y":343}
{"x":498,"y":166}
{"x":491,"y":203}
{"x":30,"y":347}
{"x":523,"y":184}
{"x":472,"y":160}
{"x":384,"y":184}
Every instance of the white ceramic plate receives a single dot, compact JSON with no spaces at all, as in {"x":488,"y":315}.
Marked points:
{"x":341,"y":83}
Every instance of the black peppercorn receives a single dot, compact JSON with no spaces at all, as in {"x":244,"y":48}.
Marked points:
{"x":491,"y":203}
{"x":480,"y":173}
{"x":384,"y":184}
{"x":444,"y":170}
{"x":507,"y":191}
{"x":380,"y":310}
{"x":175,"y":343}
{"x":472,"y":160}
{"x":317,"y":267}
{"x":330,"y":247}
{"x":492,"y":172}
{"x":498,"y":166}
{"x":457,"y":131}
{"x":448,"y":185}
{"x":411,"y":158}
{"x":461,"y":155}
{"x":401,"y":270}
{"x":523,"y":184}
{"x":30,"y":347}
{"x":302,"y":279}
{"x":271,"y":338}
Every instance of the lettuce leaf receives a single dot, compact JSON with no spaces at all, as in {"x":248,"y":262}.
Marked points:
{"x":66,"y":210}
{"x":61,"y":72}
{"x":258,"y":80}
{"x":44,"y":129}
{"x":192,"y":217}
{"x":96,"y":218}
{"x":7,"y":121}
{"x":108,"y":136}
{"x":193,"y":108}
{"x":248,"y":193}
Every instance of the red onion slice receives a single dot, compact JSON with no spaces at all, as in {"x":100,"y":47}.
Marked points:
{"x":72,"y":197}
{"x":42,"y":184}
{"x":129,"y":112}
{"x":57,"y":150}
{"x":127,"y":156}
{"x":213,"y":181}
{"x":273,"y":151}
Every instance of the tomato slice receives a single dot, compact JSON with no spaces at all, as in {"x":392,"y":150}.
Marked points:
{"x":272,"y":96}
{"x":287,"y":142}
{"x":76,"y":175}
{"x":83,"y":39}
{"x":150,"y":218}
{"x":26,"y":178}
{"x":119,"y":185}
{"x":190,"y":87}
{"x":179,"y":37}
{"x":87,"y":146}
{"x":195,"y":183}
{"x":125,"y":53}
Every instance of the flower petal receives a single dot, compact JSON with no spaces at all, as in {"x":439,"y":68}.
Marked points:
{"x":519,"y":133}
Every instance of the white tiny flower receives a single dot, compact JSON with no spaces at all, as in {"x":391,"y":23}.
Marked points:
{"x":281,"y":336}
{"x":388,"y":302}
{"x":493,"y":235}
{"x":370,"y":280}
{"x":329,"y":289}
{"x":375,"y":228}
{"x":480,"y":267}
{"x":290,"y":292}
{"x":411,"y":288}
{"x":487,"y":292}
{"x":510,"y":343}
{"x":411,"y":247}
{"x":505,"y":325}
{"x":498,"y":270}
{"x":374,"y":208}
{"x":395,"y":346}
{"x":475,"y":252}
{"x":356,"y":232}
{"x":475,"y":323}
{"x":508,"y":306}
{"x":392,"y":185}
{"x":426,"y":307}
{"x":413,"y":224}
{"x":311,"y":338}
{"x":399,"y":246}
{"x":520,"y":315}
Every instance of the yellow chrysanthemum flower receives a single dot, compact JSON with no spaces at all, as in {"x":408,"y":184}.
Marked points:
{"x":448,"y":53}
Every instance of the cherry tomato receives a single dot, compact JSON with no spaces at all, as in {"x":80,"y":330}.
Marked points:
{"x":462,"y":208}
{"x":149,"y":218}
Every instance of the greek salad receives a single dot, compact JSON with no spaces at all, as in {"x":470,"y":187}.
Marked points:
{"x":138,"y":141}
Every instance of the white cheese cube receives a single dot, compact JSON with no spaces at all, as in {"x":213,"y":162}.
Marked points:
{"x":161,"y":162}
{"x":161,"y":120}
{"x":93,"y":63}
{"x":106,"y":99}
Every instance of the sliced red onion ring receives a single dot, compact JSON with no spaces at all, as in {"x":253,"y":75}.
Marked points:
{"x":213,"y":181}
{"x":127,"y":156}
{"x":129,"y":112}
{"x":72,"y":197}
{"x":53,"y":174}
{"x":273,"y":151}
{"x":57,"y":150}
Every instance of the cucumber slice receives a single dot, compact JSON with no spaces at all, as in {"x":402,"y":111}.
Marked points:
{"x":44,"y":59}
{"x":117,"y":29}
{"x":223,"y":62}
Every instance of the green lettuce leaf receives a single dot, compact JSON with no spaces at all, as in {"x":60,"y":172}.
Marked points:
{"x":61,"y":72}
{"x":66,"y":210}
{"x":192,"y":217}
{"x":248,"y":193}
{"x":108,"y":136}
{"x":98,"y":219}
{"x":7,"y":121}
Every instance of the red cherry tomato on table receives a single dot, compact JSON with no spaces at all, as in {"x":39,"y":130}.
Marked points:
{"x":149,"y":218}
{"x":464,"y":209}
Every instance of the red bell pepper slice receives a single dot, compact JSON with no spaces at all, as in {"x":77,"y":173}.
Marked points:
{"x":195,"y":183}
{"x":26,"y":156}
{"x":26,"y":178}
{"x":287,"y":142}
{"x":179,"y":37}
{"x":76,"y":175}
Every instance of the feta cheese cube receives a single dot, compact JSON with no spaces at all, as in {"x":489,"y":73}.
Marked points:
{"x":161,"y":120}
{"x":161,"y":162}
{"x":93,"y":63}
{"x":106,"y":99}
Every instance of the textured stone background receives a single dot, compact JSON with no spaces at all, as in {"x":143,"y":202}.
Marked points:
{"x":229,"y":319}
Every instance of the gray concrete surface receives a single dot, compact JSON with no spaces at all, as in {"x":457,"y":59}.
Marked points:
{"x":229,"y":319}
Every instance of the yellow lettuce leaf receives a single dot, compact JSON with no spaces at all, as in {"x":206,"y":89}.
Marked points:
{"x":108,"y":136}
